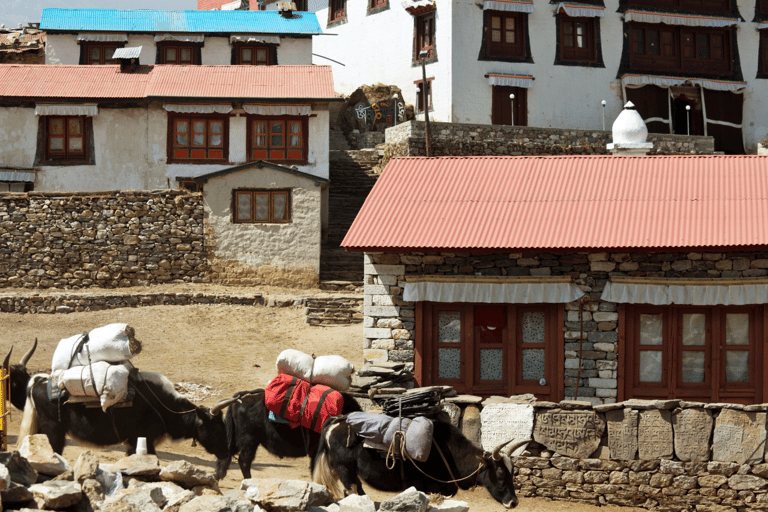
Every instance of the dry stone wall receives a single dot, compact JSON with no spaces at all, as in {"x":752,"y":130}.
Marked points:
{"x":108,"y":240}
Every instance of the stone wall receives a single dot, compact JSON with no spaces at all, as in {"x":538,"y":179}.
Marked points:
{"x":389,"y":321}
{"x":667,"y":454}
{"x":452,"y":139}
{"x":107,"y":239}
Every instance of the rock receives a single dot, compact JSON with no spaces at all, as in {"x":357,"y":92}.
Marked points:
{"x":693,"y":429}
{"x":747,"y":483}
{"x":38,"y":452}
{"x":573,"y":433}
{"x":187,"y":475}
{"x":160,"y":492}
{"x":449,"y":506}
{"x":175,"y":503}
{"x":213,"y":504}
{"x":409,"y":500}
{"x":5,"y":477}
{"x":655,"y":439}
{"x":138,"y":465}
{"x":54,"y":495}
{"x":355,"y":503}
{"x":87,"y":466}
{"x":470,"y":424}
{"x":739,"y":437}
{"x":129,"y":500}
{"x":454,"y":412}
{"x":622,"y":433}
{"x":502,"y":422}
{"x":15,"y":494}
{"x":20,"y":469}
{"x":287,"y":495}
{"x":575,"y":405}
{"x":93,"y":490}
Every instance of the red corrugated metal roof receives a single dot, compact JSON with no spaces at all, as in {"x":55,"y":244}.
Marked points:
{"x":565,"y":202}
{"x":97,"y":82}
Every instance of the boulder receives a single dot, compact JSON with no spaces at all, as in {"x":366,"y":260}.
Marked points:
{"x":38,"y":452}
{"x":86,"y":466}
{"x":409,"y":500}
{"x":187,"y":475}
{"x":278,"y":495}
{"x":129,"y":500}
{"x":138,"y":465}
{"x":54,"y":495}
{"x":21,"y":470}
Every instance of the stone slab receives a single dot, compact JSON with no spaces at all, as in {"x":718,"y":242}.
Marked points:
{"x":655,"y":438}
{"x":570,"y":433}
{"x":502,"y":422}
{"x":622,"y":433}
{"x":693,"y":430}
{"x":739,"y":437}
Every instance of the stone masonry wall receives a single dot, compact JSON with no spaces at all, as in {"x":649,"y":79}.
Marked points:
{"x":389,"y":321}
{"x":452,"y":139}
{"x":108,"y":239}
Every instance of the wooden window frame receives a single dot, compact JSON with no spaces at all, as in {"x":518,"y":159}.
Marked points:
{"x":377,"y":4}
{"x":424,"y":34}
{"x":214,"y":154}
{"x":193,"y":48}
{"x":671,"y":53}
{"x":503,"y":49}
{"x":270,"y":195}
{"x":270,"y":50}
{"x":270,"y":152}
{"x":337,"y":10}
{"x":575,"y":54}
{"x":66,"y":155}
{"x":420,"y":94}
{"x":104,"y":47}
{"x":710,"y":6}
{"x":763,"y":54}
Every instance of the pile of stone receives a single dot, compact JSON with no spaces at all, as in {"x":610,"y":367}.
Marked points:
{"x":36,"y":478}
{"x":380,"y":378}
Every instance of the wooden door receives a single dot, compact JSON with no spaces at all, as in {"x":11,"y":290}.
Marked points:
{"x":503,"y":105}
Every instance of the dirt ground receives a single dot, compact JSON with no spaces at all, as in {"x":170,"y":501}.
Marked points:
{"x":215,"y":351}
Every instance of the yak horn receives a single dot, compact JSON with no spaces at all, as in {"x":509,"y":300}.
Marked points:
{"x":508,"y":448}
{"x":7,"y":358}
{"x":28,"y":355}
{"x":216,"y":409}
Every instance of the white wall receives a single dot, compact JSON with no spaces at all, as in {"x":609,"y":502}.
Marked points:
{"x":18,"y":137}
{"x":216,"y":51}
{"x":62,"y":49}
{"x":294,"y":52}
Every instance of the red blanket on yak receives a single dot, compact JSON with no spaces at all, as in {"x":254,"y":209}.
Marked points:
{"x":301,"y":404}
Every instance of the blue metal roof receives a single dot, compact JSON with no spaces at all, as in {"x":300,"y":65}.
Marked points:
{"x":229,"y":22}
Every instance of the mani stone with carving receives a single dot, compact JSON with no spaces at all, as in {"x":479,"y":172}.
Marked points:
{"x":570,"y":433}
{"x":629,"y":133}
{"x":655,"y":439}
{"x":504,"y":422}
{"x":693,"y":429}
{"x":739,"y":437}
{"x":622,"y":433}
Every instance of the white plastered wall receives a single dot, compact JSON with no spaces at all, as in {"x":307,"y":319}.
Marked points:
{"x":18,"y":137}
{"x":294,"y":51}
{"x":62,"y":49}
{"x":216,"y":51}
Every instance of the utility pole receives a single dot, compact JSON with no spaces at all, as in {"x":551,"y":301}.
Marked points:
{"x":425,"y":103}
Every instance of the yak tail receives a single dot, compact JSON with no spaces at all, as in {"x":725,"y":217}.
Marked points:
{"x":322,"y":472}
{"x":29,"y":421}
{"x":229,"y":426}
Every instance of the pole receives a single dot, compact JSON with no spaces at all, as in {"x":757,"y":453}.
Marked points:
{"x":688,"y":118}
{"x":425,"y":103}
{"x":603,"y":103}
{"x":512,"y":112}
{"x":394,"y":115}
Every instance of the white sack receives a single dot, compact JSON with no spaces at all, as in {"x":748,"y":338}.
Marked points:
{"x":112,"y":343}
{"x":110,"y":386}
{"x":332,"y":371}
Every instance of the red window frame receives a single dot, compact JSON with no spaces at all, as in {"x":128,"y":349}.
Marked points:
{"x":278,"y":139}
{"x":179,"y":54}
{"x":505,"y":34}
{"x":337,"y":10}
{"x":375,"y":4}
{"x":104,"y":49}
{"x":261,"y":206}
{"x":185,"y":144}
{"x":254,"y":55}
{"x":578,"y":39}
{"x":659,"y":47}
{"x":425,"y":35}
{"x":62,"y":135}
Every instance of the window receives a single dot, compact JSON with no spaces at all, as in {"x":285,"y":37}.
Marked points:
{"x":279,"y":139}
{"x":762,"y":6}
{"x":722,"y":6}
{"x":377,"y":4}
{"x":577,"y":39}
{"x":683,"y":49}
{"x":201,"y":139}
{"x":257,"y":206}
{"x":488,"y":349}
{"x":425,"y":36}
{"x":762,"y":71}
{"x":190,"y":185}
{"x":707,"y":354}
{"x":337,"y":10}
{"x":65,"y":138}
{"x":420,"y":95}
{"x":99,"y":53}
{"x":254,"y":55}
{"x":178,"y":54}
{"x":505,"y":34}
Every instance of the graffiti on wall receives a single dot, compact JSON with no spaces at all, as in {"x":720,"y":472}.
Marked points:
{"x":388,"y":112}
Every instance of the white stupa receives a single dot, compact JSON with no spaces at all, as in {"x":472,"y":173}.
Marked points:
{"x":629,"y":133}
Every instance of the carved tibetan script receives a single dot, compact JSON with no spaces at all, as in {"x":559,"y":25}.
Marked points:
{"x":570,"y":433}
{"x":654,"y":435}
{"x":622,"y":433}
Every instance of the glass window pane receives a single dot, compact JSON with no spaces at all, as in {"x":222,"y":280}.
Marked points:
{"x":260,"y":127}
{"x":277,"y":127}
{"x":694,"y":329}
{"x":279,"y":202}
{"x":496,"y":36}
{"x":294,"y":141}
{"x":262,"y":207}
{"x":533,"y":364}
{"x":243,"y":206}
{"x":653,"y":42}
{"x":75,"y":126}
{"x":247,"y":55}
{"x":495,"y":22}
{"x":198,"y":139}
{"x":198,"y":126}
{"x":651,"y":328}
{"x":449,"y":363}
{"x":491,"y":361}
{"x":533,"y":327}
{"x":217,"y":127}
{"x":276,"y":141}
{"x":56,"y":126}
{"x":57,"y":144}
{"x":650,"y":366}
{"x":186,"y":55}
{"x":737,"y":366}
{"x":693,"y":366}
{"x":95,"y":55}
{"x":737,"y":329}
{"x":170,"y":54}
{"x":702,"y":46}
{"x":76,"y":144}
{"x":216,"y":140}
{"x":261,"y":55}
{"x":640,"y":41}
{"x":181,"y":126}
{"x":181,"y":139}
{"x":449,"y":327}
{"x":260,"y":141}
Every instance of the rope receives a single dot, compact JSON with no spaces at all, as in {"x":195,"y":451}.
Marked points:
{"x":391,"y":454}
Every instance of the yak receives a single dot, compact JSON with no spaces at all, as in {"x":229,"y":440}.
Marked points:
{"x":454,"y":462}
{"x":156,"y":412}
{"x":248,"y":427}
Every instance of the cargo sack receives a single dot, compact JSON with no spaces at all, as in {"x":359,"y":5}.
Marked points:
{"x":301,"y":404}
{"x":379,"y":431}
{"x":333,"y":371}
{"x":112,"y":343}
{"x":108,"y":382}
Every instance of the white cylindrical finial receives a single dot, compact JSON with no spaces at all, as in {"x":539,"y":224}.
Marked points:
{"x":511,"y":96}
{"x":141,"y":446}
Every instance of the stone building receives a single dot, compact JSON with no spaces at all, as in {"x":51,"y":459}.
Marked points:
{"x":22,"y":45}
